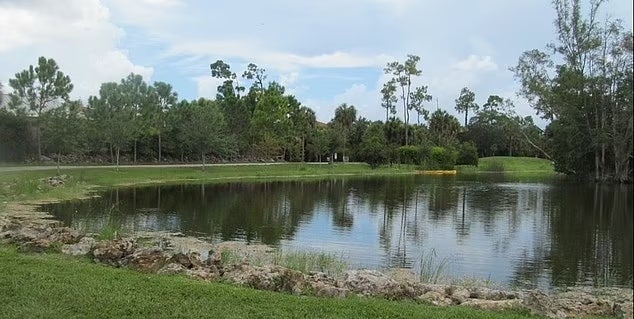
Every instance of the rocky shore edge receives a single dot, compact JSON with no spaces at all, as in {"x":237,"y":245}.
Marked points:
{"x":175,"y":254}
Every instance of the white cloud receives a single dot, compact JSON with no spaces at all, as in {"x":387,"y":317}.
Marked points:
{"x":251,"y":50}
{"x":476,"y":63}
{"x":162,"y":3}
{"x":78,"y":35}
{"x":207,"y":86}
{"x":288,"y":79}
{"x":365,"y":100}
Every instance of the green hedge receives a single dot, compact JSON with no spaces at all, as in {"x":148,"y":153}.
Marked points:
{"x":428,"y":157}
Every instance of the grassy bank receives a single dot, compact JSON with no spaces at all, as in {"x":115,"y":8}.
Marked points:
{"x":56,"y":286}
{"x":515,"y":166}
{"x":26,"y":185}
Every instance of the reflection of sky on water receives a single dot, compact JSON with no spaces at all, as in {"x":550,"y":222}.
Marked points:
{"x":529,"y":234}
{"x":480,"y":254}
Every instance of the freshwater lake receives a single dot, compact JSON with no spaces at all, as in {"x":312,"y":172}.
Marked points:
{"x":529,"y":234}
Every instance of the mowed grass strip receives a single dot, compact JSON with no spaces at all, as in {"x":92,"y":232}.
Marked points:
{"x":26,"y":185}
{"x":56,"y":286}
{"x":514,"y":166}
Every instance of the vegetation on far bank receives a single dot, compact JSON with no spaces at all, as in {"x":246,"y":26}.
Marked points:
{"x":57,"y":286}
{"x":510,"y":166}
{"x":582,"y":86}
{"x":27,"y":185}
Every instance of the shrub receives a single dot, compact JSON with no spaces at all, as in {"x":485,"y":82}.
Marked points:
{"x":467,"y":154}
{"x":409,"y":154}
{"x":373,"y":146}
{"x":442,"y":158}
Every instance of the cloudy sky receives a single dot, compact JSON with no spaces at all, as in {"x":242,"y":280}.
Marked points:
{"x":325,"y":52}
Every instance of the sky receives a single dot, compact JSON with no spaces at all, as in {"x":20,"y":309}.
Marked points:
{"x":324,"y":52}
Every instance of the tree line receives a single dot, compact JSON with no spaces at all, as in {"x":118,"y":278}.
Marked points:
{"x":582,"y":86}
{"x":249,"y":120}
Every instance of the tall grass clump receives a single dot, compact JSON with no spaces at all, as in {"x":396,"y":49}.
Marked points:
{"x":310,"y":261}
{"x":432,"y":270}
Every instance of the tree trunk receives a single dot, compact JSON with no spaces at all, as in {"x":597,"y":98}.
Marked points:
{"x":159,"y":148}
{"x":58,"y":170}
{"x":303,"y":149}
{"x":38,"y":137}
{"x":202,"y":155}
{"x":111,"y":153}
{"x":134,"y":160}
{"x":466,"y":114}
{"x":596,"y":165}
{"x":117,"y":158}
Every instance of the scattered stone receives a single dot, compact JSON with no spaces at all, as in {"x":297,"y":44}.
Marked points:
{"x":166,"y":253}
{"x":367,"y":282}
{"x":147,"y":259}
{"x":460,"y":296}
{"x":189,"y":260}
{"x":201,"y":273}
{"x":83,"y":247}
{"x":172,"y":269}
{"x":113,"y":252}
{"x":435,"y":298}
{"x":55,"y":181}
{"x":65,"y":235}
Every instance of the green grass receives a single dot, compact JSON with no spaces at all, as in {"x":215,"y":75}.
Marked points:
{"x":516,"y":166}
{"x":26,"y":185}
{"x":56,"y":286}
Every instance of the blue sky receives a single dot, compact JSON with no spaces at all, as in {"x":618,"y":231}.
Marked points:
{"x":325,"y":52}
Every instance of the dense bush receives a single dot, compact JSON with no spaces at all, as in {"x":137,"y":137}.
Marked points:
{"x":409,"y":154}
{"x":373,"y":146}
{"x":441,"y":158}
{"x":467,"y":154}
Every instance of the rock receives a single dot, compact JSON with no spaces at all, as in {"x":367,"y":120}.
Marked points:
{"x":65,"y":235}
{"x":172,"y":269}
{"x":147,"y":259}
{"x":539,"y":303}
{"x":460,"y":296}
{"x":189,"y":260}
{"x":55,"y":181}
{"x":273,"y":278}
{"x":113,"y":252}
{"x":81,"y":248}
{"x":492,"y":294}
{"x":367,"y":282}
{"x":623,"y":310}
{"x":35,"y":246}
{"x":322,"y":289}
{"x":201,"y":273}
{"x":435,"y":298}
{"x":496,"y":305}
{"x":215,"y":258}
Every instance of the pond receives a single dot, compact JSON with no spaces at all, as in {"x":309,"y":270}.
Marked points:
{"x":537,"y":234}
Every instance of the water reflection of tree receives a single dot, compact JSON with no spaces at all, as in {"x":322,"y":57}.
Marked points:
{"x":576,"y":232}
{"x":591,"y":229}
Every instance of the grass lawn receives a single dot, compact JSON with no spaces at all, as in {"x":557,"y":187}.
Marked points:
{"x":56,"y":286}
{"x":511,"y":165}
{"x":26,"y":185}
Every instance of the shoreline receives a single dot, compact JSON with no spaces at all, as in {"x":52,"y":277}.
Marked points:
{"x":22,"y":225}
{"x":174,"y":254}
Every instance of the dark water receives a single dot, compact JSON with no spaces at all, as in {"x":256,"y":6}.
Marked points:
{"x":528,"y":234}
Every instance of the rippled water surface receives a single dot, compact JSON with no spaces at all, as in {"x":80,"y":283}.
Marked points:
{"x":531,"y":234}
